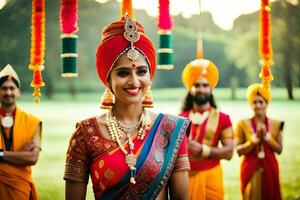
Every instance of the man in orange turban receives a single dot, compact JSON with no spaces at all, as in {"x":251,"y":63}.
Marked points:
{"x":209,"y":127}
{"x":20,"y":139}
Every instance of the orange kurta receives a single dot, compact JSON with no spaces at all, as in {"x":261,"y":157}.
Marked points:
{"x":16,"y":181}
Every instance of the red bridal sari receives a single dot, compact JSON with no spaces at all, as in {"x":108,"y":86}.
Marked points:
{"x":162,"y":152}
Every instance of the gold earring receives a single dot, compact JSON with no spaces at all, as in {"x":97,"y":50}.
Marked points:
{"x":148,"y":99}
{"x":107,"y":100}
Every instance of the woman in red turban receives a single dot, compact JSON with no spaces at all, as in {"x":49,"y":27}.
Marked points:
{"x":129,"y":152}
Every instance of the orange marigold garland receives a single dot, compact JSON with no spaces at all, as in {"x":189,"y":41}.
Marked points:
{"x":126,"y":7}
{"x":265,"y":47}
{"x":37,"y":52}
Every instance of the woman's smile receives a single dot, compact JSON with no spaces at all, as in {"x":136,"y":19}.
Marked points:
{"x":132,"y":91}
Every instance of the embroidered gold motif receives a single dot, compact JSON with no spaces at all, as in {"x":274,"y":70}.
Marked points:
{"x":91,"y":130}
{"x":109,"y":174}
{"x":101,"y":185}
{"x":96,"y":175}
{"x":73,"y":142}
{"x":107,"y":145}
{"x":101,"y":163}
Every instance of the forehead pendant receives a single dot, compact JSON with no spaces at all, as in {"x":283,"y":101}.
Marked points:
{"x":132,"y":35}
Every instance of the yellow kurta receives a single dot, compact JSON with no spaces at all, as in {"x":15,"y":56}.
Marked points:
{"x":16,"y":181}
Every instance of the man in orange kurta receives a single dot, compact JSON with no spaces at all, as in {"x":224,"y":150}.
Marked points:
{"x":20,"y":139}
{"x":211,"y":135}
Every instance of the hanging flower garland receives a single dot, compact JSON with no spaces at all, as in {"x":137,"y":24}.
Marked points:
{"x":265,"y":47}
{"x":37,"y":51}
{"x":126,"y":7}
{"x":165,"y":50}
{"x":68,"y":27}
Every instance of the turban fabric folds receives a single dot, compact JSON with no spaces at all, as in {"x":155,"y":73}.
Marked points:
{"x":113,"y":45}
{"x":198,"y":68}
{"x":258,"y":88}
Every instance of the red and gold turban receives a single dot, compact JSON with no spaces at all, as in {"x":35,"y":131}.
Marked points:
{"x":113,"y":45}
{"x":258,"y":88}
{"x":200,"y":68}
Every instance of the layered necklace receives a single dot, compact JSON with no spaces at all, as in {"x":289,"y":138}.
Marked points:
{"x":116,"y":127}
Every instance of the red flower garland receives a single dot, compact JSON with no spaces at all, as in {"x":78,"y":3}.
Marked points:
{"x":265,"y":47}
{"x":126,"y":7}
{"x":69,"y":16}
{"x":37,"y":52}
{"x":265,"y":30}
{"x":164,"y":20}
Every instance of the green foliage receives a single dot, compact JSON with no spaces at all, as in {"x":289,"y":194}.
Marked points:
{"x":235,"y":52}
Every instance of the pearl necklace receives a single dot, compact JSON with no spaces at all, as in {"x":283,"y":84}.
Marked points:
{"x":115,"y":127}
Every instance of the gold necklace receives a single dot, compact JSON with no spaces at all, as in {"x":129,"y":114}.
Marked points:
{"x":115,"y":127}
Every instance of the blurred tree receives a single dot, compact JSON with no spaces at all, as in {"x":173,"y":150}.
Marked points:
{"x":243,"y":48}
{"x":235,"y":52}
{"x":288,"y":20}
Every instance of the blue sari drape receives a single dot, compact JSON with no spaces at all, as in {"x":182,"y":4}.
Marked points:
{"x":159,"y":153}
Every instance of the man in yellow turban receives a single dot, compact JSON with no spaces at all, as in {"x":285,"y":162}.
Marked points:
{"x":20,"y":139}
{"x":209,"y":128}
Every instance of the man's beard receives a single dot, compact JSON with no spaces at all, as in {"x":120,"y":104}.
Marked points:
{"x":201,"y":99}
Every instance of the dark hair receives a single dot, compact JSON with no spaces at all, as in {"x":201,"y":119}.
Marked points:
{"x":188,"y":102}
{"x":5,"y":78}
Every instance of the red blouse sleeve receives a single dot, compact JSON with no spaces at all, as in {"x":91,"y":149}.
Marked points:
{"x":77,"y":161}
{"x":182,"y":161}
{"x":226,"y":127}
{"x":226,"y":122}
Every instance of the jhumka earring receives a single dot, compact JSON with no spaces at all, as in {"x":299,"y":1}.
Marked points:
{"x":148,"y":99}
{"x":107,"y":101}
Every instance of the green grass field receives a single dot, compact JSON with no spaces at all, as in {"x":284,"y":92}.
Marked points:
{"x":60,"y":115}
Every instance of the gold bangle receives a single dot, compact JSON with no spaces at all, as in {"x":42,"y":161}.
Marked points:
{"x":206,"y":150}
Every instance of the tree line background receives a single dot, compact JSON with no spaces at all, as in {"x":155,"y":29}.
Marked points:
{"x":235,"y":52}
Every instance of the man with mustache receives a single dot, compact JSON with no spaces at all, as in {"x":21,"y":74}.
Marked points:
{"x":209,"y":128}
{"x":20,"y":139}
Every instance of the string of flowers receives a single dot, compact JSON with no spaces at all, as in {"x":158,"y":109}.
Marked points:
{"x":37,"y":51}
{"x":165,"y":50}
{"x":265,"y":47}
{"x":68,"y":27}
{"x":126,"y":7}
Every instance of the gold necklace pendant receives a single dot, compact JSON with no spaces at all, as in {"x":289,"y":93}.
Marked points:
{"x":115,"y":127}
{"x":7,"y":121}
{"x":131,"y":161}
{"x":261,"y":154}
